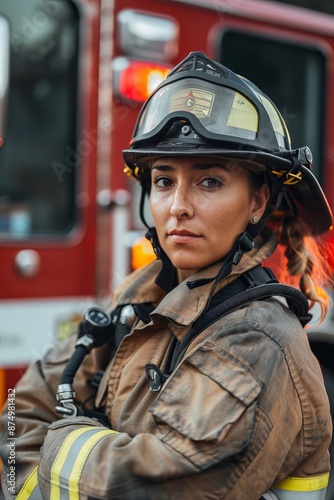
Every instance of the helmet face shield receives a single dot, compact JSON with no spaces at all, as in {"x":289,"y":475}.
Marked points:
{"x":217,"y":113}
{"x":221,"y":111}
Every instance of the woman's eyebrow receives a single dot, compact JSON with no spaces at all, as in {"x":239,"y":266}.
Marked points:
{"x":163,"y":168}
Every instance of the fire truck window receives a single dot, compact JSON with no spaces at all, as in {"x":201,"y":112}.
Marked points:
{"x":293,"y":75}
{"x":37,"y":159}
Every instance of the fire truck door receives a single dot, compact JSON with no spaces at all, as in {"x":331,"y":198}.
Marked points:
{"x":48,"y":146}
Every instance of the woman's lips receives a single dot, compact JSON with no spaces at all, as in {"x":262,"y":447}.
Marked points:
{"x":182,"y":236}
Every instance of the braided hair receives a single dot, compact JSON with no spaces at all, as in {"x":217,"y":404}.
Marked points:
{"x":306,"y":260}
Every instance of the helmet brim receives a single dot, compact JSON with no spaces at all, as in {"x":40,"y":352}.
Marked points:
{"x":261,"y":160}
{"x":311,"y":203}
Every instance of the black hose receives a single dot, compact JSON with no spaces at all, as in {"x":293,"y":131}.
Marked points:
{"x":73,"y":364}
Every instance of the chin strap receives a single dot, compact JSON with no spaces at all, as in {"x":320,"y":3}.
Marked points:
{"x":244,"y":244}
{"x":167,"y":277}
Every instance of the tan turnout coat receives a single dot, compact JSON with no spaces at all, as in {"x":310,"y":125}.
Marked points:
{"x":244,"y":409}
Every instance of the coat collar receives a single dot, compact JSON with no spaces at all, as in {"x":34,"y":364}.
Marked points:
{"x":183,"y":305}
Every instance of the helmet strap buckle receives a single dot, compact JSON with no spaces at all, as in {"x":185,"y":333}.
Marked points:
{"x":151,"y":235}
{"x":245,"y":243}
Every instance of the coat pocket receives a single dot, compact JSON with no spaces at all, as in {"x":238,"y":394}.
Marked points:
{"x":206,"y":411}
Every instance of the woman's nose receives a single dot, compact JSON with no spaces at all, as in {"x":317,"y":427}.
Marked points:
{"x":182,"y":205}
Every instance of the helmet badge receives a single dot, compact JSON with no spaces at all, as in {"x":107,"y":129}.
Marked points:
{"x":190,"y":101}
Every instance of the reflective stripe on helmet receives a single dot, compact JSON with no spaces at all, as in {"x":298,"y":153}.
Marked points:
{"x":70,"y":461}
{"x":30,"y":489}
{"x":302,"y":488}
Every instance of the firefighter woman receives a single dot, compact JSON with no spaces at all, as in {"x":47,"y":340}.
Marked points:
{"x":207,"y":387}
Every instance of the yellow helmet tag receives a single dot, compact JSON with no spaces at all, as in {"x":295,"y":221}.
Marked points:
{"x":292,"y":179}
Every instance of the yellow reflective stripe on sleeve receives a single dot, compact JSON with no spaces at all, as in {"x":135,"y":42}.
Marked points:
{"x":60,"y":460}
{"x":304,"y":483}
{"x":69,"y":463}
{"x":73,"y":481}
{"x":30,"y":490}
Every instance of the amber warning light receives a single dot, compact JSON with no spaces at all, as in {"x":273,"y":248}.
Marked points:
{"x":136,"y":80}
{"x":142,"y":253}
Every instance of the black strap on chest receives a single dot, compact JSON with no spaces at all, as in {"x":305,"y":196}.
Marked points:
{"x":257,"y":284}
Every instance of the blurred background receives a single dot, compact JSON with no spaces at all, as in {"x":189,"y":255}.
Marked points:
{"x":73,"y":77}
{"x":321,"y":5}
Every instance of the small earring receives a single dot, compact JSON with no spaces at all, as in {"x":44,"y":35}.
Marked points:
{"x":255,"y":219}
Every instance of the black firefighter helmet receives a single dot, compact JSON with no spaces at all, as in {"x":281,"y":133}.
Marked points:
{"x":203,"y":108}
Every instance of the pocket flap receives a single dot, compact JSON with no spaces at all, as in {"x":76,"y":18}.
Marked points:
{"x":207,"y":394}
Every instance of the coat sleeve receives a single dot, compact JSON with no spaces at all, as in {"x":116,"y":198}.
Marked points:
{"x":82,"y":458}
{"x":34,"y":399}
{"x":33,"y":402}
{"x":23,"y":436}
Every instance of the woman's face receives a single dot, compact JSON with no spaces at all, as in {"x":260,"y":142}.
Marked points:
{"x":200,"y":205}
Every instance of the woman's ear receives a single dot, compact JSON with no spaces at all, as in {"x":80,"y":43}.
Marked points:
{"x":261,"y":198}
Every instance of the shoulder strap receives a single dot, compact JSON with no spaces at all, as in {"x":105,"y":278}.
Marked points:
{"x":296,"y":300}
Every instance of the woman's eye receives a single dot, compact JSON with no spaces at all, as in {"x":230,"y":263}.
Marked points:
{"x":212,"y":182}
{"x":162,"y":182}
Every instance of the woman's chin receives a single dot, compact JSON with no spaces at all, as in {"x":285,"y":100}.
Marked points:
{"x":184,"y":267}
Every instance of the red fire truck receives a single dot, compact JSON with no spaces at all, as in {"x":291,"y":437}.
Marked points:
{"x":73,"y":75}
